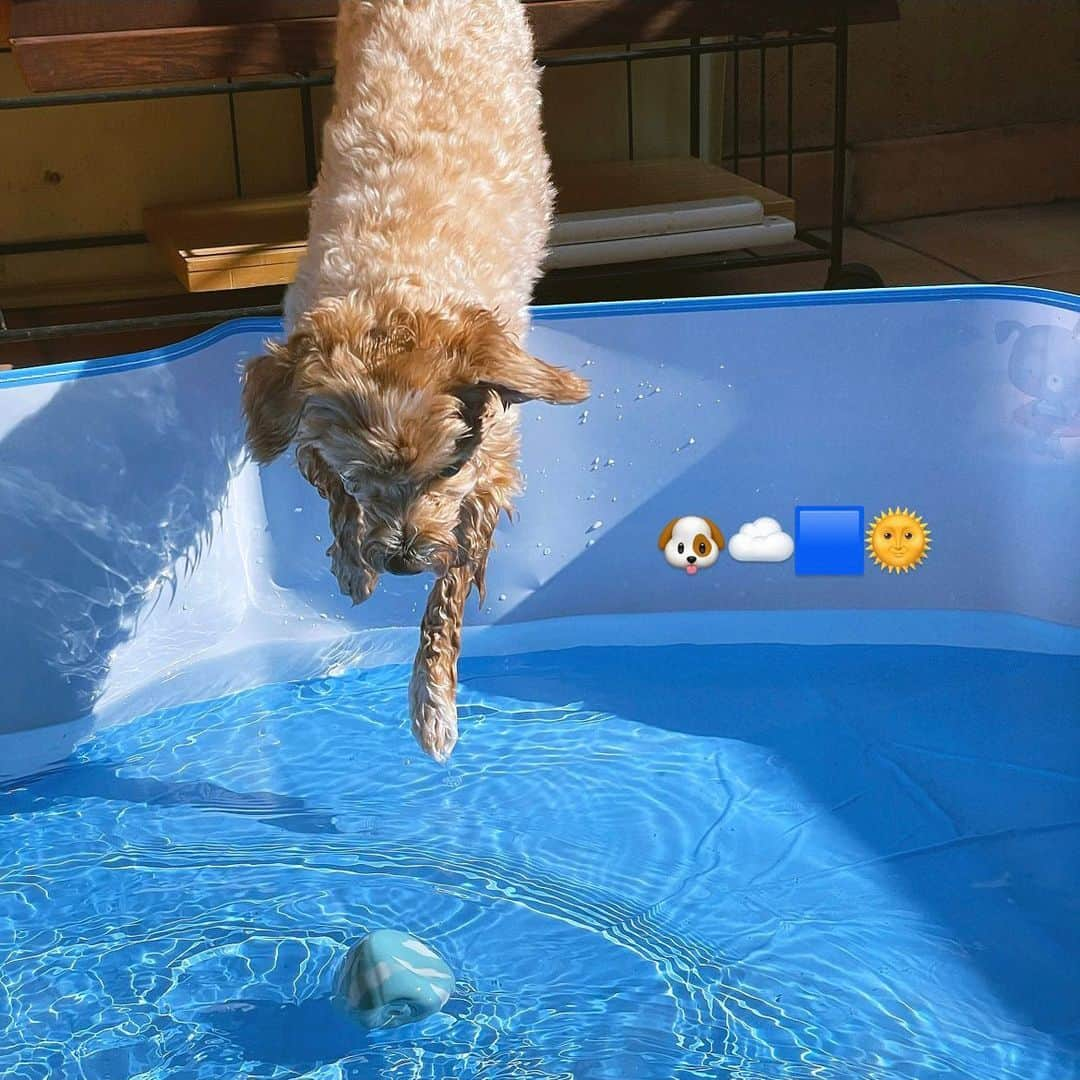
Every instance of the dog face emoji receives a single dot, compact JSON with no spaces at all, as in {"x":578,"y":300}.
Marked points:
{"x":691,"y":544}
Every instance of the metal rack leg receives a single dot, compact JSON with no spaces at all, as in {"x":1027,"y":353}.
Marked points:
{"x":841,"y":275}
{"x":311,"y":164}
{"x":836,"y":257}
{"x":695,"y":101}
{"x":238,"y":172}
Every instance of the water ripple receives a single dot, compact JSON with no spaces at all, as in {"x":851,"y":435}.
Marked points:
{"x":617,"y":900}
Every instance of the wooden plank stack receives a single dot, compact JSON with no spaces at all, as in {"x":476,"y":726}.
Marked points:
{"x":251,"y":242}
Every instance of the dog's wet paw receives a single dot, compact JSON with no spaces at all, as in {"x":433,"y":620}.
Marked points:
{"x":434,"y":717}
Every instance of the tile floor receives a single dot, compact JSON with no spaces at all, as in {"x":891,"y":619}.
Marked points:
{"x":1031,"y":245}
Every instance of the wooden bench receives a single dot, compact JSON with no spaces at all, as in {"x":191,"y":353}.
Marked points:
{"x":92,"y":44}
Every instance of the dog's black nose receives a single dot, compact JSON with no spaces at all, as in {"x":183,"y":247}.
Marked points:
{"x":691,"y":559}
{"x":403,"y":564}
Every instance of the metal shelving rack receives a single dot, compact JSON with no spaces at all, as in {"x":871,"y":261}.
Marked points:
{"x":816,"y":249}
{"x":813,"y":248}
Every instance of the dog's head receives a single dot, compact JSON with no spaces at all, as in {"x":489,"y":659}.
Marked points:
{"x":409,"y":411}
{"x":691,"y":543}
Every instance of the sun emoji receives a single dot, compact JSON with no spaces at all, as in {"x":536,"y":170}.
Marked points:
{"x":897,"y":540}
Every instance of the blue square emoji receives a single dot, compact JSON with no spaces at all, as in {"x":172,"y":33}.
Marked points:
{"x":829,"y":540}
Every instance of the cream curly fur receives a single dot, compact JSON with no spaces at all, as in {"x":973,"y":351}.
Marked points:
{"x":404,"y":362}
{"x":434,"y":187}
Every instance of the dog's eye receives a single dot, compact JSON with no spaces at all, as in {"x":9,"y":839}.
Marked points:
{"x":682,"y":548}
{"x":702,"y":548}
{"x":452,"y":470}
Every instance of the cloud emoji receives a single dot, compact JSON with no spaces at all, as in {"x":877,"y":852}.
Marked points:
{"x":761,"y":541}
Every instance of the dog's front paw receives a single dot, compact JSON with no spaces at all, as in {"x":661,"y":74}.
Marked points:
{"x":356,"y":581}
{"x":434,"y":716}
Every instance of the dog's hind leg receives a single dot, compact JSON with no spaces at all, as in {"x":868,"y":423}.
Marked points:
{"x":433,"y":688}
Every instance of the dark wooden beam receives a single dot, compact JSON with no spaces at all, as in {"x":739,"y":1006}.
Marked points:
{"x":82,"y":44}
{"x":575,"y":24}
{"x":176,"y":54}
{"x":50,"y":18}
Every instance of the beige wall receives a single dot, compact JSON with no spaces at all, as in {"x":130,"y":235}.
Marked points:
{"x":949,"y":65}
{"x":954,"y":65}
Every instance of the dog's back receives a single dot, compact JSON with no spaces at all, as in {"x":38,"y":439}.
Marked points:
{"x":434,"y":184}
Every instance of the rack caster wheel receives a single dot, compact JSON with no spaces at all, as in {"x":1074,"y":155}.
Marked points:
{"x":854,"y":276}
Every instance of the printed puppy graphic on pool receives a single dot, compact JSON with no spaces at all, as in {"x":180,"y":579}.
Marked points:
{"x":691,"y":544}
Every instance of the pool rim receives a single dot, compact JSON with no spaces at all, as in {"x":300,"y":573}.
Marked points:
{"x":271,"y":327}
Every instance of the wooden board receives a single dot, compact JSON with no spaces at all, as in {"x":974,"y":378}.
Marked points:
{"x":603,"y":185}
{"x":76,"y":44}
{"x":242,"y":244}
{"x":5,"y":21}
{"x":183,"y":54}
{"x":63,"y":310}
{"x":575,"y":24}
{"x":50,"y":18}
{"x":231,"y":245}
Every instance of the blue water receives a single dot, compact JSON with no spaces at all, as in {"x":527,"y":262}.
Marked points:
{"x":746,"y":862}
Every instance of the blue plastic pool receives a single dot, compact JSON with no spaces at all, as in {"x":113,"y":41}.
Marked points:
{"x":748,"y":824}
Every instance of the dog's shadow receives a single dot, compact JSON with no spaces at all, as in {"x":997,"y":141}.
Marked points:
{"x":308,"y":1034}
{"x":295,"y":1035}
{"x":102,"y":780}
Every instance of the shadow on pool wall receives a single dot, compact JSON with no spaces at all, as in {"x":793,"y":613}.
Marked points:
{"x":138,"y":563}
{"x":109,"y":488}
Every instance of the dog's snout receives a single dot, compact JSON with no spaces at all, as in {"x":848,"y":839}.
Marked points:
{"x":691,"y":559}
{"x":405,"y":560}
{"x":403,"y":563}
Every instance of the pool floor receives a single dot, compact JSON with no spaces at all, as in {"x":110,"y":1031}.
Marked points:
{"x":747,"y":862}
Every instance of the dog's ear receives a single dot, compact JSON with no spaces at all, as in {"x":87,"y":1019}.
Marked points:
{"x":477,"y":404}
{"x":717,"y":535}
{"x":494,"y":361}
{"x":519,"y":377}
{"x":669,"y":531}
{"x":271,"y":404}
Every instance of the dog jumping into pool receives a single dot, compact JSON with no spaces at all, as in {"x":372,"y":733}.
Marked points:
{"x":403,"y":363}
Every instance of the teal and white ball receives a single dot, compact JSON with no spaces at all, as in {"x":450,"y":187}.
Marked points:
{"x":390,"y":978}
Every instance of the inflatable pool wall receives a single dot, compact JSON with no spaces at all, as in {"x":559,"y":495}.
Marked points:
{"x":144,"y":563}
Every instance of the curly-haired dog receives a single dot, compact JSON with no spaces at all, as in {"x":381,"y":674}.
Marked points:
{"x":404,"y":360}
